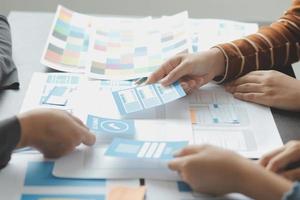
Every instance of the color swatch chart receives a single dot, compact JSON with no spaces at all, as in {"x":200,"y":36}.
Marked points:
{"x":145,"y":97}
{"x":113,"y":48}
{"x":135,"y":149}
{"x":174,"y":34}
{"x":121,"y":50}
{"x":68,"y":42}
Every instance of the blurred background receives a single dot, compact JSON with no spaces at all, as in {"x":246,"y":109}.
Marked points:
{"x":253,"y":10}
{"x":243,"y":10}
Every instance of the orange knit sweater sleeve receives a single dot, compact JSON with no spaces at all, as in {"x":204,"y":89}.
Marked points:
{"x":271,"y":47}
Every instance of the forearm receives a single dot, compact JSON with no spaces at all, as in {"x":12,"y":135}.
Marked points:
{"x":8,"y":71}
{"x":272,"y":47}
{"x":258,"y":183}
{"x":10,"y":132}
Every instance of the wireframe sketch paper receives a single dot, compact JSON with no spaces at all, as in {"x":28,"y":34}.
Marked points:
{"x":219,"y":119}
{"x":108,"y":129}
{"x":208,"y":116}
{"x":169,"y":122}
{"x":145,"y":97}
{"x":52,"y":90}
{"x":136,"y":149}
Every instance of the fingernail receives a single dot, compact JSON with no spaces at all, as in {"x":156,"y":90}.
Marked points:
{"x":183,"y":85}
{"x":164,"y":82}
{"x":177,"y":153}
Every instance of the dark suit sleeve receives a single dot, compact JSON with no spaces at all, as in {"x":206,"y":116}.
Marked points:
{"x":8,"y":70}
{"x":10,"y":131}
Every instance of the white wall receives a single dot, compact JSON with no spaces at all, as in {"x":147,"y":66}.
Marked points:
{"x":249,"y":10}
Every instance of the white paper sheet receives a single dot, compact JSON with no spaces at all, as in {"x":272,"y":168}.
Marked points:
{"x":42,"y":84}
{"x":246,"y":128}
{"x":165,"y":123}
{"x":221,"y":120}
{"x":205,"y":33}
{"x":217,"y":119}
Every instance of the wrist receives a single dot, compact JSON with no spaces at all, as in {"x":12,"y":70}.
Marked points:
{"x":297,"y":93}
{"x":258,"y":183}
{"x":27,"y":128}
{"x":218,"y":61}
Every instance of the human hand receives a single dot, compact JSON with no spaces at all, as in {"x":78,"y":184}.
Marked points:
{"x":209,"y":169}
{"x":192,"y":70}
{"x":53,"y":132}
{"x":279,"y":159}
{"x":217,"y":171}
{"x":270,"y":88}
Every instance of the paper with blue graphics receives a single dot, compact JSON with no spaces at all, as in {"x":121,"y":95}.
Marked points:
{"x":134,"y":149}
{"x":110,"y":128}
{"x":29,"y":177}
{"x":63,"y":197}
{"x":144,"y":97}
{"x":59,"y":96}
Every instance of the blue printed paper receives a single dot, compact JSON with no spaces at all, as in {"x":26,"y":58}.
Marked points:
{"x":40,"y":174}
{"x":135,"y":149}
{"x":58,"y":96}
{"x":110,"y":128}
{"x":61,"y":197}
{"x":58,"y":88}
{"x":145,"y":97}
{"x":183,"y":187}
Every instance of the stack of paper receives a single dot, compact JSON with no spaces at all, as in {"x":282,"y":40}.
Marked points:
{"x":128,"y":48}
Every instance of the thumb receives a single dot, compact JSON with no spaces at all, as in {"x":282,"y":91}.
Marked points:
{"x":293,"y":175}
{"x":176,"y":164}
{"x":192,"y":149}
